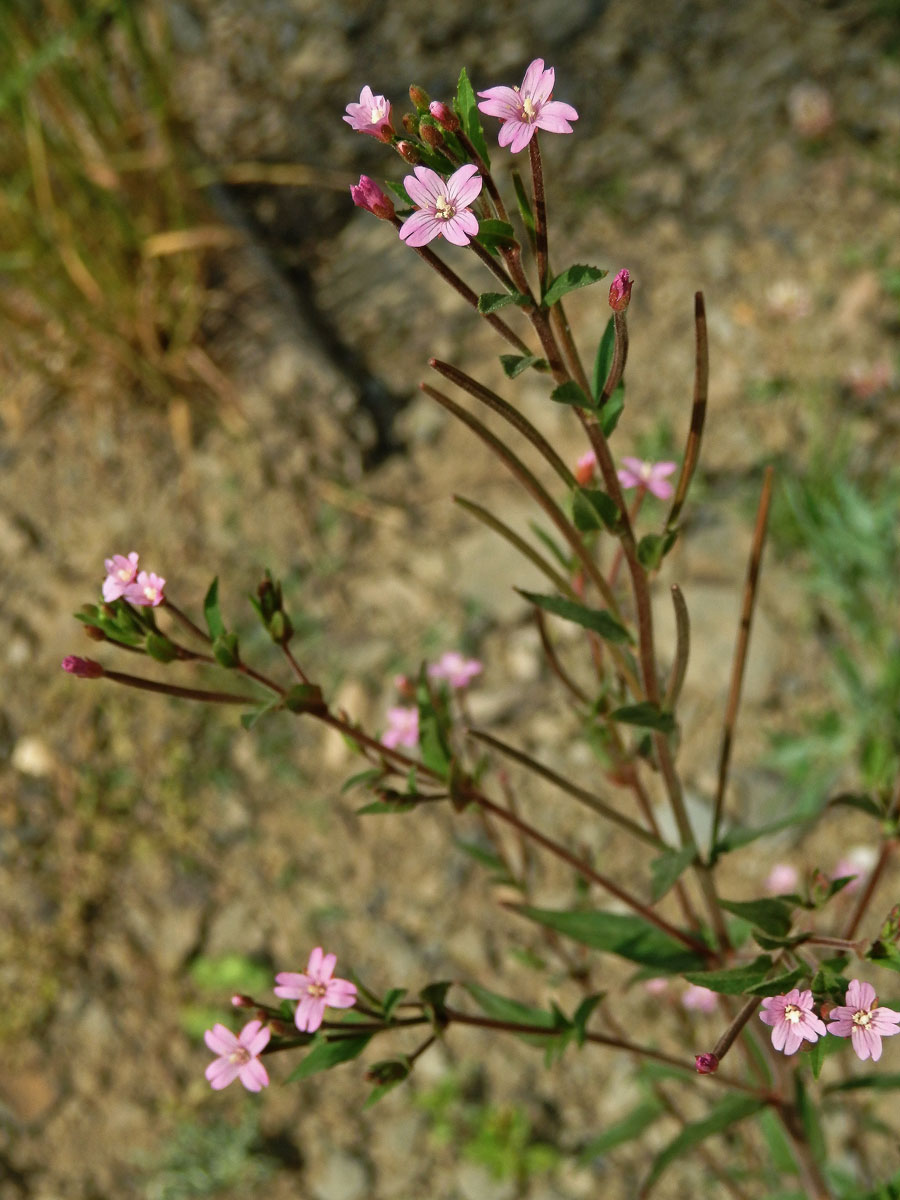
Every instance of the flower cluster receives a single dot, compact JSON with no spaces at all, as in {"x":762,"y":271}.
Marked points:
{"x":315,"y":990}
{"x":123,"y":580}
{"x":403,"y":722}
{"x":860,"y":1018}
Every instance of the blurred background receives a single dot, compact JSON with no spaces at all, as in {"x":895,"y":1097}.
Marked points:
{"x":210,"y":356}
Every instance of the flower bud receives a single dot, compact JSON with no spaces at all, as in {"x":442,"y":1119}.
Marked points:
{"x":95,"y":633}
{"x":706,"y":1064}
{"x":620,"y":292}
{"x":418,"y":96}
{"x":366,"y":194}
{"x":431,"y":136}
{"x":444,"y":115}
{"x":82,"y":668}
{"x":240,"y":1001}
{"x":389,"y":1070}
{"x":410,"y":123}
{"x":408,"y":152}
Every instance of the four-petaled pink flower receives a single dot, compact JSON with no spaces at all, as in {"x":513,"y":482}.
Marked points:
{"x":863,"y":1020}
{"x":372,"y":115}
{"x":238,"y":1056}
{"x":121,"y":572}
{"x":525,"y":109}
{"x":443,"y":206}
{"x":585,"y":468}
{"x":649,"y":476}
{"x":367,"y":194}
{"x":316,"y":990}
{"x":792,"y":1019}
{"x":146,"y":591}
{"x":403,"y":728}
{"x":458,"y":671}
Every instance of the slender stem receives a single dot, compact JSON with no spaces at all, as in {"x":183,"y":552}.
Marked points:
{"x":180,"y":693}
{"x":751,"y":589}
{"x":553,"y":660}
{"x":540,"y":212}
{"x":489,"y":181}
{"x":497,"y":270}
{"x":295,"y":666}
{"x":187,"y":622}
{"x":566,"y":785}
{"x":723,"y":1045}
{"x":887,"y":849}
{"x":520,"y":544}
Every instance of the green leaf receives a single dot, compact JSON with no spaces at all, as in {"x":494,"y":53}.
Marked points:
{"x":212,"y":612}
{"x":400,"y":192}
{"x":305,"y":698}
{"x":593,"y":509}
{"x":885,"y":954}
{"x":725,"y":1114}
{"x":577,"y":276}
{"x":809,"y":1115}
{"x":631,"y":937}
{"x":645,"y":714}
{"x":653,"y":548}
{"x":885,"y":1083}
{"x":777,"y":1141}
{"x":571,"y":393}
{"x":603,"y":359}
{"x":749,"y":978}
{"x":249,"y":719}
{"x":489,"y":302}
{"x":626,"y":1130}
{"x":515,"y":364}
{"x":367,"y":776}
{"x":582,"y":1015}
{"x":667,"y":868}
{"x":780,"y":984}
{"x":596,"y":619}
{"x":492,"y":233}
{"x":391,"y":1000}
{"x":386,"y":808}
{"x":327,"y":1054}
{"x":225,"y":650}
{"x":159,"y":647}
{"x":612,"y":409}
{"x":433,"y":729}
{"x":524,"y":206}
{"x":503,"y":1009}
{"x":770,"y":915}
{"x":467,"y":111}
{"x":824,"y":1048}
{"x":861,"y":801}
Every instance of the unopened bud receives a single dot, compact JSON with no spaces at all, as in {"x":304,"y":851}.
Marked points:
{"x":240,"y":1001}
{"x":410,"y":123}
{"x":444,"y":115}
{"x":408,"y":152}
{"x":706,"y":1064}
{"x":82,"y":668}
{"x":620,"y":292}
{"x":95,"y":633}
{"x":390,"y":1070}
{"x":418,"y":96}
{"x":431,"y":136}
{"x":279,"y":1028}
{"x":368,"y":195}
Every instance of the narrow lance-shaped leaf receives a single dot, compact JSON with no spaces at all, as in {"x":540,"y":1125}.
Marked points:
{"x":596,"y":619}
{"x":626,"y":1130}
{"x":631,"y":937}
{"x":467,"y":111}
{"x":645,"y":714}
{"x":577,"y":276}
{"x":515,"y":364}
{"x":603,"y":359}
{"x":768,"y":914}
{"x":212,"y":612}
{"x":489,"y":302}
{"x":503,"y":1009}
{"x":666,"y":869}
{"x":727,"y":1113}
{"x":325,"y":1055}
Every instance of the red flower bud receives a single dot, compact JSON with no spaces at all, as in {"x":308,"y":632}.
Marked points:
{"x":706,"y":1064}
{"x":418,"y":96}
{"x":431,"y":136}
{"x":408,"y":152}
{"x":82,"y":668}
{"x":620,"y":292}
{"x":444,"y":115}
{"x":367,"y":194}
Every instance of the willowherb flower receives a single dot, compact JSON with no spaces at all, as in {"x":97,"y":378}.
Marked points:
{"x":146,"y":591}
{"x":443,"y":206}
{"x":238,"y":1056}
{"x":315,"y":990}
{"x":863,"y":1020}
{"x":372,"y":115}
{"x":585,"y":468}
{"x":650,"y":476}
{"x":82,"y":668}
{"x":781,"y":879}
{"x":527,"y":108}
{"x":620,"y":291}
{"x":699,"y":999}
{"x":403,"y":728}
{"x":792,"y":1019}
{"x":367,"y":194}
{"x":458,"y":671}
{"x":121,"y":572}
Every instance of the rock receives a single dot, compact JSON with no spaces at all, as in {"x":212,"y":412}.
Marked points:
{"x":344,"y":1177}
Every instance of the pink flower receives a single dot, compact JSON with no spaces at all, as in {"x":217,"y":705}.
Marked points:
{"x":146,"y":591}
{"x":857,"y":863}
{"x":525,"y":109}
{"x":585,"y":468}
{"x":120,"y":573}
{"x":367,"y":194}
{"x":458,"y":671}
{"x":316,"y":990}
{"x":238,"y":1056}
{"x":620,"y":292}
{"x":403,"y":728}
{"x":82,"y":668}
{"x":792,"y":1019}
{"x":781,"y":879}
{"x":443,"y":206}
{"x":699,"y":999}
{"x":372,"y":115}
{"x":656,"y":986}
{"x":863,"y":1021}
{"x":649,"y":476}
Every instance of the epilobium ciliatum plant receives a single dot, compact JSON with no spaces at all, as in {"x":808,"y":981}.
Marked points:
{"x":786,"y":974}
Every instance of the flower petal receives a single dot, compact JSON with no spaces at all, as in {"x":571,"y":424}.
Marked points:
{"x":254,"y":1076}
{"x":220,"y":1040}
{"x":221,"y":1072}
{"x":535,"y":78}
